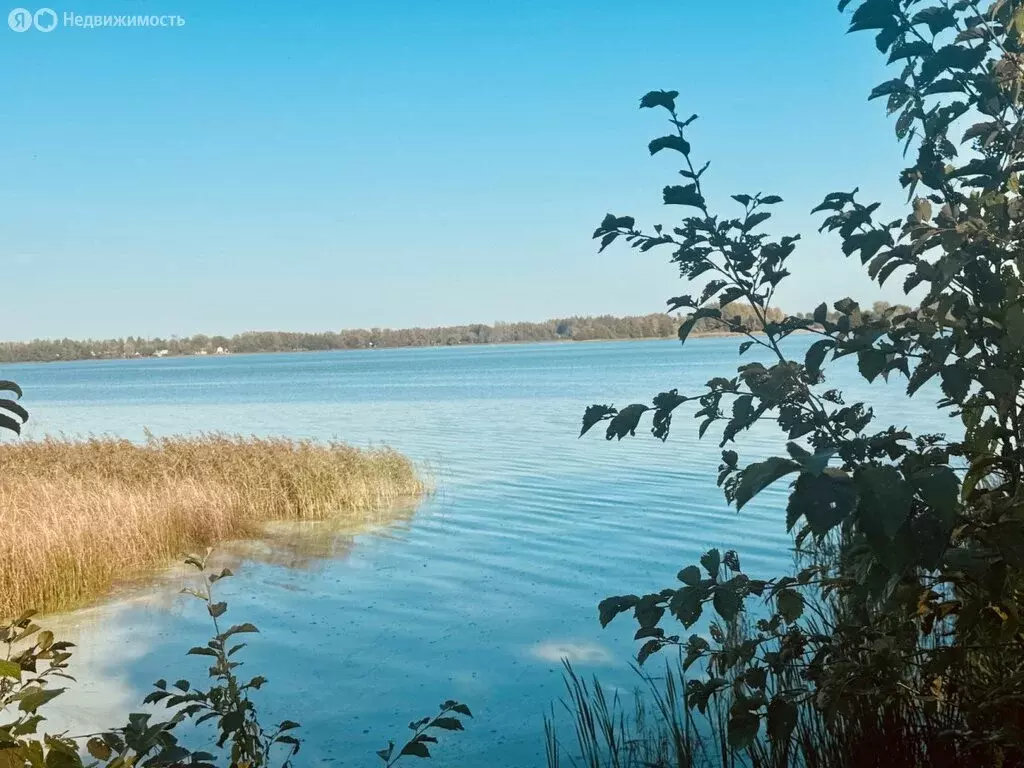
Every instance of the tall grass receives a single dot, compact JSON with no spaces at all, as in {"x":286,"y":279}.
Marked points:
{"x":77,"y":516}
{"x":659,"y":729}
{"x":656,"y":729}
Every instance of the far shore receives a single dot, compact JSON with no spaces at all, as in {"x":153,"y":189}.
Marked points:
{"x":703,"y":335}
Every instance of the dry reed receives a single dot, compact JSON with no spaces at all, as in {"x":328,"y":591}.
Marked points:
{"x":78,"y":516}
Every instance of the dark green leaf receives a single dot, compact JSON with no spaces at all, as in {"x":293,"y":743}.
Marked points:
{"x":756,"y":477}
{"x":782,"y":716}
{"x":909,"y":50}
{"x":677,"y":143}
{"x":31,"y":699}
{"x":6,"y":422}
{"x":825,"y":500}
{"x":594,"y":414}
{"x":938,"y":18}
{"x":712,"y":561}
{"x":448,"y":724}
{"x":651,"y":646}
{"x":726,"y":601}
{"x":666,"y":99}
{"x":690,"y":575}
{"x":885,"y":499}
{"x":871,"y":362}
{"x":956,"y":382}
{"x":888,"y":87}
{"x":683,"y":195}
{"x":14,"y":408}
{"x":732,"y":561}
{"x":743,"y":727}
{"x":611,"y":607}
{"x":415,"y":749}
{"x":790,"y":604}
{"x":755,"y":219}
{"x":625,"y":421}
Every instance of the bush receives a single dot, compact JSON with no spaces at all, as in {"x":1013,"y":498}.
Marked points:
{"x":900,"y":640}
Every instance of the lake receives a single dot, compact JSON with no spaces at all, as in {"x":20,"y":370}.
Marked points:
{"x":479,"y":593}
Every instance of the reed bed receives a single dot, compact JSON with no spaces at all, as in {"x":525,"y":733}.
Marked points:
{"x":78,"y":516}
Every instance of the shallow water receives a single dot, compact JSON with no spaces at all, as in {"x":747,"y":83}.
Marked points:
{"x":481,"y":592}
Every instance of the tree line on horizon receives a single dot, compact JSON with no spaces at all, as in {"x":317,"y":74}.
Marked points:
{"x":598,"y":328}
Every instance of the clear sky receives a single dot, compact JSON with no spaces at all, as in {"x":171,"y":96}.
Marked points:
{"x":325,"y":165}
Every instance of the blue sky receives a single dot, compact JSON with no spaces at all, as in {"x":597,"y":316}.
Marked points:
{"x":337,"y":164}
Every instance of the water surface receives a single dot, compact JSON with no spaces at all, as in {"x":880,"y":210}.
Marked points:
{"x":493,"y":580}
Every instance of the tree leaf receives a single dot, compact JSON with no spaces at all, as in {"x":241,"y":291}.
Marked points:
{"x":12,"y":669}
{"x":98,"y":748}
{"x":755,"y":219}
{"x":239,"y":629}
{"x":782,"y":717}
{"x":885,"y":499}
{"x":888,"y":87}
{"x":956,"y":382}
{"x":756,"y":477}
{"x":690,"y":575}
{"x":32,"y":698}
{"x":594,"y":414}
{"x":683,"y":195}
{"x":938,"y":18}
{"x":712,"y":561}
{"x":415,"y":749}
{"x":611,"y":607}
{"x":871,"y":362}
{"x":910,"y":50}
{"x":651,"y":646}
{"x":790,"y":604}
{"x":732,"y":561}
{"x":742,"y":729}
{"x":447,"y":724}
{"x":14,"y":408}
{"x":825,"y":500}
{"x":726,"y":601}
{"x":625,"y":421}
{"x":6,"y":422}
{"x":678,"y":143}
{"x":666,"y":99}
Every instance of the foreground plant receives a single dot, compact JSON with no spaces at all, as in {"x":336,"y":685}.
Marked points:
{"x":34,"y":661}
{"x":905,"y":626}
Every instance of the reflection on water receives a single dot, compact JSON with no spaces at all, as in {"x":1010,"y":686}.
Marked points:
{"x":494,"y":579}
{"x":578,"y":654}
{"x":108,"y":641}
{"x":309,"y":544}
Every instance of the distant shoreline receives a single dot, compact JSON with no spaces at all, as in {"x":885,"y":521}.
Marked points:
{"x":576,"y":329}
{"x":191,"y":355}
